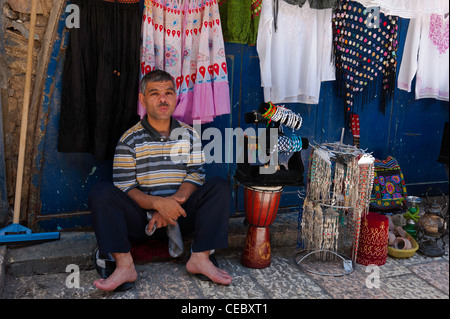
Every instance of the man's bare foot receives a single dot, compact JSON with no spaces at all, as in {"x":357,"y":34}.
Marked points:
{"x":124,"y":272}
{"x":199,"y":263}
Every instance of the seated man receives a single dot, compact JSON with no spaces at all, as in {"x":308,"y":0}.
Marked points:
{"x":158,"y":169}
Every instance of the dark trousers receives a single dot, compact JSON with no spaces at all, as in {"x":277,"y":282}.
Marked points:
{"x":118,"y":220}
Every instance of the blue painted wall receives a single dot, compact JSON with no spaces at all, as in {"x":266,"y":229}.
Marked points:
{"x":410,"y":130}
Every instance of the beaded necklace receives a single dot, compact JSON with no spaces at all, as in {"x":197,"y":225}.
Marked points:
{"x":339,"y":177}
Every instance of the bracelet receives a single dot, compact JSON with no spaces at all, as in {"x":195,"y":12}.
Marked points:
{"x":277,"y":116}
{"x":299,"y":123}
{"x":283,"y":115}
{"x":266,"y":114}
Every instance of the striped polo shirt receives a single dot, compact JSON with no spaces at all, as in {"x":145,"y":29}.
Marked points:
{"x":156,"y":165}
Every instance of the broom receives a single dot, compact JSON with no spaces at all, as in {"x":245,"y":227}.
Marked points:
{"x":16,"y":233}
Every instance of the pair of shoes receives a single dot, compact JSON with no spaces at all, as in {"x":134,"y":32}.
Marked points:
{"x":105,"y":265}
{"x":214,"y":261}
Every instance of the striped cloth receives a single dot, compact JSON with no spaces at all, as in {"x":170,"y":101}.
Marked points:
{"x":157,"y":165}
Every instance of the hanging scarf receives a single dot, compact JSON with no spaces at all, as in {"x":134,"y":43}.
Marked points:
{"x":365,"y":46}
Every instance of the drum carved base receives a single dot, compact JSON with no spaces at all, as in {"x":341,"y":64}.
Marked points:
{"x":256,"y":252}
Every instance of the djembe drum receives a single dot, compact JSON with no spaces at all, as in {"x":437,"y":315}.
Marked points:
{"x":261,"y":206}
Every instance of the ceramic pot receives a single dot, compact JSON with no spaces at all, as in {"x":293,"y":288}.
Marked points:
{"x":402,"y":243}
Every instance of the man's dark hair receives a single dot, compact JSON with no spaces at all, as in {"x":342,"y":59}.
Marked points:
{"x":156,"y":76}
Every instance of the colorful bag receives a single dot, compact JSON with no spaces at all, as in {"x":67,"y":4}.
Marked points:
{"x":389,"y":190}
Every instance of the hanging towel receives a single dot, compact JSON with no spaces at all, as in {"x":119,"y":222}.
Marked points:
{"x":176,"y":246}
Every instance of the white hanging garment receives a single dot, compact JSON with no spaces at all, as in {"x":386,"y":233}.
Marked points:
{"x":296,"y":56}
{"x":425,"y":56}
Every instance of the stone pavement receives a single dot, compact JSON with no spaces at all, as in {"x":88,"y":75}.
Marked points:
{"x":39,"y":272}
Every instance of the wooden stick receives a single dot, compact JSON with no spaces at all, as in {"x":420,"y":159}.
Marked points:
{"x":37,"y":114}
{"x":26,"y":104}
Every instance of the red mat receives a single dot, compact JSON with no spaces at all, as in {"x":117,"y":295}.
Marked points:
{"x":153,"y":250}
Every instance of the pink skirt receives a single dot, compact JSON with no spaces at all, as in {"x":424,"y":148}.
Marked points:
{"x":184,"y":38}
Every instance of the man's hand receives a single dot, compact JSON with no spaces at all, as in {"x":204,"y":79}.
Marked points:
{"x":184,"y":192}
{"x":158,"y":220}
{"x":169,"y":209}
{"x":179,"y":198}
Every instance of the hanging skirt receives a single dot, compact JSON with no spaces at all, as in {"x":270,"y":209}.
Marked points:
{"x":101,"y":77}
{"x":184,"y":38}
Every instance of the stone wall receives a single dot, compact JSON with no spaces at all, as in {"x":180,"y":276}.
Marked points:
{"x":14,"y":31}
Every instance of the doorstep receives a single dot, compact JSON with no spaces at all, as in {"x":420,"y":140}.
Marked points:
{"x":77,"y":248}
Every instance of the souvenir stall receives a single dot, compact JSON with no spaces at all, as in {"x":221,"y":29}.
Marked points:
{"x":299,"y":69}
{"x":358,"y":49}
